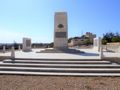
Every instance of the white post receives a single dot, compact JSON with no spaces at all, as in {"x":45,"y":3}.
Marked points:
{"x":99,"y":44}
{"x":13,"y":53}
{"x":101,"y":53}
{"x":4,"y":49}
{"x":19,"y":48}
{"x":95,"y":42}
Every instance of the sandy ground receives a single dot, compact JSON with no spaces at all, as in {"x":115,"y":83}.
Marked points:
{"x":17,"y":82}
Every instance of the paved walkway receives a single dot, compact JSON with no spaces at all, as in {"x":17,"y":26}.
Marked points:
{"x":89,"y":54}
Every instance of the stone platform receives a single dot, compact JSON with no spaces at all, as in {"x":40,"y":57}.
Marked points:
{"x":72,"y":51}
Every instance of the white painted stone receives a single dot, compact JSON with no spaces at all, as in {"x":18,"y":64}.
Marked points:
{"x":26,"y":44}
{"x":13,"y":53}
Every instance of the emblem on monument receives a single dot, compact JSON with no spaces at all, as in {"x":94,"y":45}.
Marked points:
{"x":60,"y":26}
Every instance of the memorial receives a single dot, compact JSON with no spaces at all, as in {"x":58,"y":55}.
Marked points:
{"x":60,"y":30}
{"x":61,"y":35}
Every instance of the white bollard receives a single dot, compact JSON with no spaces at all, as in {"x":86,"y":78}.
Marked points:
{"x":99,"y":44}
{"x":101,"y":53}
{"x":4,"y":49}
{"x":19,"y":48}
{"x":13,"y":53}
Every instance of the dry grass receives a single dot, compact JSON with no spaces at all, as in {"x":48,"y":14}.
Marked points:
{"x":17,"y":82}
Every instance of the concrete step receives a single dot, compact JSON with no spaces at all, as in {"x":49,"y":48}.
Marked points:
{"x":114,"y":65}
{"x":62,"y":70}
{"x":58,"y":74}
{"x":56,"y":62}
{"x":58,"y":59}
{"x":54,"y":67}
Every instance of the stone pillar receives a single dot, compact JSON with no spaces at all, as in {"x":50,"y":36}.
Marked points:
{"x":4,"y":49}
{"x":101,"y":53}
{"x":26,"y":44}
{"x":13,"y":53}
{"x":60,"y":30}
{"x":97,"y":44}
{"x":19,"y":47}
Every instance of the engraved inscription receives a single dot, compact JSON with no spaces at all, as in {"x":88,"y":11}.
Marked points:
{"x":60,"y":34}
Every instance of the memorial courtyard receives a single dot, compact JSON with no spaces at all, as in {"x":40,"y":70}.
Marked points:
{"x":59,"y":45}
{"x":61,"y":59}
{"x":64,"y":82}
{"x":61,"y":66}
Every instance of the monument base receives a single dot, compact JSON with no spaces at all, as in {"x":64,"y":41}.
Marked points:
{"x":27,"y":50}
{"x":67,"y":50}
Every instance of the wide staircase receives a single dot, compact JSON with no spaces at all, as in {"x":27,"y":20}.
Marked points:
{"x":59,"y":67}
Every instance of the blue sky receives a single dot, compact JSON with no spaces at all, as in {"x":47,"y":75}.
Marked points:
{"x":35,"y":18}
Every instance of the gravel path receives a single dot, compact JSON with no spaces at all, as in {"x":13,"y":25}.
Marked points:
{"x":17,"y":82}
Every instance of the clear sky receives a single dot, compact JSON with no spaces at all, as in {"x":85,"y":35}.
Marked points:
{"x":35,"y":18}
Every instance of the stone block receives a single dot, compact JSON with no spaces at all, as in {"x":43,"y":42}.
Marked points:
{"x":26,"y":44}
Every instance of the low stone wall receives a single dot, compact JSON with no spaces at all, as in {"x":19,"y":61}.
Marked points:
{"x":114,"y":47}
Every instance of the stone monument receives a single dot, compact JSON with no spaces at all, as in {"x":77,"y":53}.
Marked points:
{"x":26,"y":44}
{"x":60,"y":30}
{"x":61,"y":35}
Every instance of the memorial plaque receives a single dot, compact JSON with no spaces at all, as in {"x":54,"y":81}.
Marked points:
{"x":60,"y":34}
